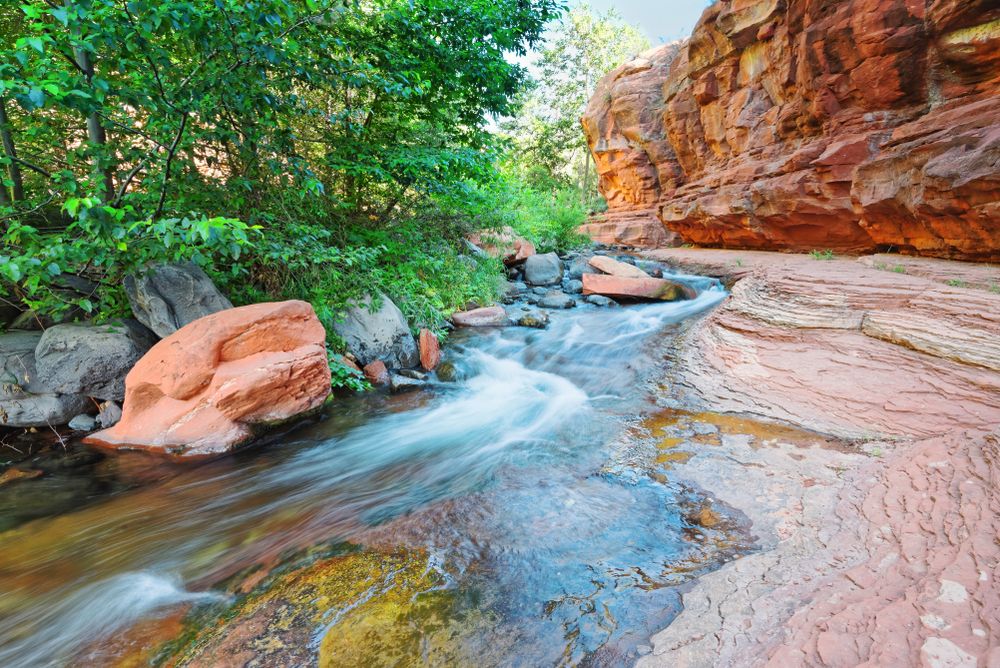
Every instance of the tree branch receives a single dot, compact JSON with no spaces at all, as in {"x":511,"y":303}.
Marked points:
{"x":166,"y":169}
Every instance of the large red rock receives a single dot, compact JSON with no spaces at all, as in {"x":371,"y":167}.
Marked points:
{"x":853,"y":125}
{"x":621,"y":287}
{"x":210,"y":386}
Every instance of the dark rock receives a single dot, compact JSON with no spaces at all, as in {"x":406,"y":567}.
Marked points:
{"x":382,"y":335}
{"x":573,"y":287}
{"x":579,"y":266}
{"x":166,"y":297}
{"x":543,"y":269}
{"x":91,"y":359}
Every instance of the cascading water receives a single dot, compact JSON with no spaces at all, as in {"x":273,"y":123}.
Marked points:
{"x":507,"y":498}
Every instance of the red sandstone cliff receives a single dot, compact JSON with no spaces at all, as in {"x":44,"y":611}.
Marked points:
{"x":799,"y":124}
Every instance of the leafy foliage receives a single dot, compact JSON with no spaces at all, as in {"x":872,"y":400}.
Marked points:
{"x":290,"y":148}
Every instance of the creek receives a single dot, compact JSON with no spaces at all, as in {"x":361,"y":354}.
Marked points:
{"x":514,"y":516}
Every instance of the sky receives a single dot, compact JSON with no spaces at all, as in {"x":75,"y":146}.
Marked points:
{"x":662,"y":20}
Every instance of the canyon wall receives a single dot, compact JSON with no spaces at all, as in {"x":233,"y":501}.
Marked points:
{"x":853,"y":125}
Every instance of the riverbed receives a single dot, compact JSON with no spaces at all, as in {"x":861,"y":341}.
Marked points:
{"x":525,"y":513}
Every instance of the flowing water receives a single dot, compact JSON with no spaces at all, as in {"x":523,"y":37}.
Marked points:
{"x":510,"y":517}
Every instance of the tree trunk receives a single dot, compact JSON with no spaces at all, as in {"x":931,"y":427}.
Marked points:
{"x":96,"y":134}
{"x":13,"y":170}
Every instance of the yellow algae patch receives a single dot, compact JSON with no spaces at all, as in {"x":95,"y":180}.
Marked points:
{"x":667,"y":459}
{"x":367,"y":608}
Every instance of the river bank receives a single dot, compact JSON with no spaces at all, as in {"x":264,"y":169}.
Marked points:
{"x":884,"y":552}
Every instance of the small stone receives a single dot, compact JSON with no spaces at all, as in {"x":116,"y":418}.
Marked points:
{"x":413,"y":373}
{"x":574,"y":287}
{"x":600,"y":300}
{"x":535,"y":319}
{"x":376,"y":373}
{"x":109,"y":415}
{"x":83,"y":422}
{"x":400,"y":383}
{"x":556,"y":299}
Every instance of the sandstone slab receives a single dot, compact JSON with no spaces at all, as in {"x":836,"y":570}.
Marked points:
{"x":615,"y":267}
{"x":215,"y":383}
{"x":647,"y":289}
{"x":487,"y":316}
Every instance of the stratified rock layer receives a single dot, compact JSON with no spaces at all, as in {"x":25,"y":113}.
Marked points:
{"x":209,"y":386}
{"x":798,"y":124}
{"x":890,"y":560}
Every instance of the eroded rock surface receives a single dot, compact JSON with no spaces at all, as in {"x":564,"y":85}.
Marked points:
{"x":889,"y":559}
{"x":211,"y":385}
{"x":853,"y":125}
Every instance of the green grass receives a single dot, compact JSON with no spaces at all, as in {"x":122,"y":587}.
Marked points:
{"x":821,"y":254}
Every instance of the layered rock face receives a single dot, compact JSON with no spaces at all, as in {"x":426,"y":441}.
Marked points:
{"x":852,"y":125}
{"x":206,"y":388}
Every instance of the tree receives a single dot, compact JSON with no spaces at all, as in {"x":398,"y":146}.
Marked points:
{"x":137,"y":130}
{"x":582,"y":48}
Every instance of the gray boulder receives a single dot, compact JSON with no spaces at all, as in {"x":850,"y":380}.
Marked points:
{"x":40,"y":410}
{"x":24,"y":399}
{"x":579,"y":266}
{"x":556,"y":299}
{"x":92,"y":360}
{"x":166,"y":297}
{"x":573,"y":287}
{"x":382,"y":335}
{"x":543,"y":269}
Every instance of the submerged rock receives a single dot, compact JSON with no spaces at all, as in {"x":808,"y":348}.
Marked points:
{"x":213,"y":384}
{"x":166,"y":297}
{"x":543,"y":269}
{"x":380,"y":335}
{"x":534,"y":319}
{"x":92,"y":360}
